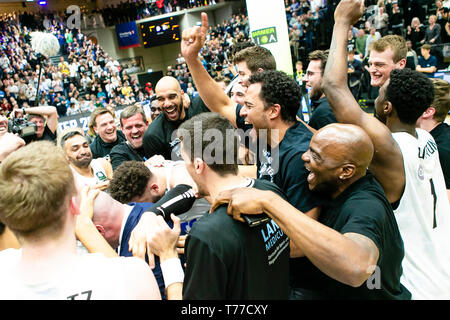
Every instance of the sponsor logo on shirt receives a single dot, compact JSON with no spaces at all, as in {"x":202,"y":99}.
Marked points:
{"x":274,"y":239}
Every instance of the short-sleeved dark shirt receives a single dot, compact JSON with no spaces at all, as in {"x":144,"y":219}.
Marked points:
{"x":227,"y":259}
{"x":321,"y":114}
{"x":364,"y":209}
{"x":441,"y":135}
{"x":284,"y":166}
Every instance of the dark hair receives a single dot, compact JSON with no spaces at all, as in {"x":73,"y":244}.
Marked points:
{"x":130,"y":179}
{"x":224,"y":154}
{"x":410,"y":92}
{"x":69,"y":135}
{"x":321,"y":55}
{"x":256,"y":57}
{"x":2,"y":228}
{"x":130,"y":111}
{"x":279,"y":88}
{"x":241,"y":45}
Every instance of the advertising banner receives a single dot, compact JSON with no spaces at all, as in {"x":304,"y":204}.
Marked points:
{"x":127,"y":35}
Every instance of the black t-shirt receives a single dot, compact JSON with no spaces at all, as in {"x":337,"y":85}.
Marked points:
{"x":101,"y":149}
{"x":158,"y":138}
{"x":48,"y":135}
{"x":227,"y":259}
{"x":364,"y":209}
{"x":441,"y":135}
{"x":124,"y":152}
{"x":321,"y":114}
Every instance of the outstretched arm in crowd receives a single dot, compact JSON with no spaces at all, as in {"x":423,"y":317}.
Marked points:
{"x":210,"y":91}
{"x":387,"y":164}
{"x":348,"y":258}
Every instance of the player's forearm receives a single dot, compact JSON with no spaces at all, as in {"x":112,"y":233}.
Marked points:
{"x":209,"y":90}
{"x":335,"y":73}
{"x":334,"y":254}
{"x":334,"y":81}
{"x":41,"y":110}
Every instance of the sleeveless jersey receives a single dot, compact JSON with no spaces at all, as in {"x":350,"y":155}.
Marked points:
{"x":423,"y":217}
{"x":99,"y":175}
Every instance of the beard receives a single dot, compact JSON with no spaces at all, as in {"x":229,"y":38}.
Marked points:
{"x":315,"y":95}
{"x":81,"y":162}
{"x":179,"y":109}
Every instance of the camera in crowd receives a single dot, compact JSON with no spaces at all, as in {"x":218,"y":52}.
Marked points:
{"x":25,"y":129}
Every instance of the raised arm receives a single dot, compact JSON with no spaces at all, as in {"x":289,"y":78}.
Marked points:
{"x":211,"y":93}
{"x":49,"y":111}
{"x":387,"y":164}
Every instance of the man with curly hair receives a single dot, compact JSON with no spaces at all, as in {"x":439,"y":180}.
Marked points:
{"x":130,"y":181}
{"x":135,"y":181}
{"x":406,"y":161}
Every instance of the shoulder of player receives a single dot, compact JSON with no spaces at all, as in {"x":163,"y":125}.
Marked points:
{"x":297,"y":136}
{"x":366,"y":190}
{"x":269,"y":186}
{"x":210,"y":227}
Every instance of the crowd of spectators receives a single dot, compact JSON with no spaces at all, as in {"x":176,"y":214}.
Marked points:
{"x":310,"y":25}
{"x":83,"y":78}
{"x":130,"y":10}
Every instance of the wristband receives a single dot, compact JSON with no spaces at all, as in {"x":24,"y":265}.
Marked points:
{"x":172,"y":271}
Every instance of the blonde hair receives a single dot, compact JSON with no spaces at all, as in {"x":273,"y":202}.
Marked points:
{"x":395,"y":42}
{"x":441,"y":103}
{"x":36,"y":183}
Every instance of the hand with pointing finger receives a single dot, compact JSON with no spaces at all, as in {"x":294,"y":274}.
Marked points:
{"x":194,"y":38}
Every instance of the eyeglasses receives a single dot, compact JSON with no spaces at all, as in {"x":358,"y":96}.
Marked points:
{"x":311,"y":73}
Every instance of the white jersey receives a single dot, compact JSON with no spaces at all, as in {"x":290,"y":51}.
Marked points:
{"x":93,"y":277}
{"x":99,"y":175}
{"x":423,"y":217}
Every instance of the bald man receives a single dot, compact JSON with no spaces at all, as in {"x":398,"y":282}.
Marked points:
{"x":115,"y":221}
{"x":158,"y":139}
{"x":355,"y":249}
